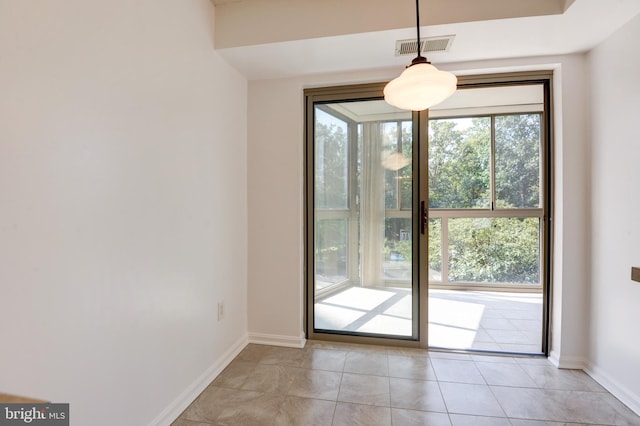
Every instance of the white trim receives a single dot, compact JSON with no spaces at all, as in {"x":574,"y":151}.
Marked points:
{"x":567,"y":362}
{"x":173,"y":410}
{"x":554,"y":358}
{"x":278,"y":340}
{"x":624,"y":394}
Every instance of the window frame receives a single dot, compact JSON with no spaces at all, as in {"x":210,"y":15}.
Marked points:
{"x":493,"y":212}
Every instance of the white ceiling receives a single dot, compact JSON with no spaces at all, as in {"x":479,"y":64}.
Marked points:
{"x":581,"y":27}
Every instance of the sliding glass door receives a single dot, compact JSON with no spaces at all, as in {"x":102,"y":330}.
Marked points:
{"x":488,"y":199}
{"x":431,"y":228}
{"x":360,"y":170}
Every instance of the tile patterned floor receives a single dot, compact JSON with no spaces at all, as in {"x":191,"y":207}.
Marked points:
{"x":485,"y":320}
{"x":342,"y":384}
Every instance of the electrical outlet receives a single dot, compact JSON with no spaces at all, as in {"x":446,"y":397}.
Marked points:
{"x":220,"y":310}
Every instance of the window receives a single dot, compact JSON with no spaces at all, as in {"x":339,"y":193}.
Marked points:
{"x":485,"y":199}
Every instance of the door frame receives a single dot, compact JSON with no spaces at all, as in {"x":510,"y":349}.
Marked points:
{"x":420,"y":273}
{"x":365,"y":92}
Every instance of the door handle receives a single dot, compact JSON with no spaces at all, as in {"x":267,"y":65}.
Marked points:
{"x":423,"y":217}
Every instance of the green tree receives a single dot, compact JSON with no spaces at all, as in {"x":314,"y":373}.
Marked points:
{"x":331,"y":166}
{"x":483,"y":249}
{"x":518,"y":160}
{"x":502,"y":250}
{"x":459,"y":163}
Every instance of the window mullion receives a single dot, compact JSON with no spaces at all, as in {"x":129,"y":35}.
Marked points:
{"x":354,"y":207}
{"x":492,"y":161}
{"x":444,"y":245}
{"x":398,"y":150}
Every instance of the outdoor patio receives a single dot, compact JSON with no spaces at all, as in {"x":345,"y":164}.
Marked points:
{"x":482,"y":320}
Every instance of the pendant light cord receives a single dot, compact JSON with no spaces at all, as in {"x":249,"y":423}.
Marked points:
{"x":419,"y":59}
{"x":418,"y":25}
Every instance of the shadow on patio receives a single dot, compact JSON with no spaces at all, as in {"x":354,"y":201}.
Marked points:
{"x":483,"y":320}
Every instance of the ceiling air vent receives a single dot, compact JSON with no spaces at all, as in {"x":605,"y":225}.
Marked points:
{"x":427,"y":45}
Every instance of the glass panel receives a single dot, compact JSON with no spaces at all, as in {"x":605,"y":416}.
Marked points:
{"x":405,"y":172}
{"x":459,"y":163}
{"x":331,"y":252}
{"x":331,"y":162}
{"x":485,"y":269}
{"x":397,"y":249}
{"x":518,"y":161}
{"x":363,"y":241}
{"x":435,"y":250}
{"x":389,"y":161}
{"x":497,"y":250}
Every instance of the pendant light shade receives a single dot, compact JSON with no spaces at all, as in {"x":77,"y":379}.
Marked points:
{"x":421,"y":85}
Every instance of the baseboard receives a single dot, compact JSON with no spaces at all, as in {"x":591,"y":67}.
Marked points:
{"x":554,"y":358}
{"x":626,"y":396}
{"x":173,"y":410}
{"x":278,"y":340}
{"x":567,"y":362}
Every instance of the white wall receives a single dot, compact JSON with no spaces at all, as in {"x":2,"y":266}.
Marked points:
{"x":614,"y":344}
{"x":275,"y":185}
{"x":122,"y":205}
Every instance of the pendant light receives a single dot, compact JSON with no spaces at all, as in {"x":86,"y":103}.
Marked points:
{"x":421,"y":85}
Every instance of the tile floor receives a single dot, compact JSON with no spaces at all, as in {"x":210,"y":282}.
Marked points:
{"x":342,"y":384}
{"x":486,"y":320}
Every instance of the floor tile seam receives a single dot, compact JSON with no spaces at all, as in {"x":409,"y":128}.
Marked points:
{"x":553,"y":389}
{"x":502,"y":385}
{"x":444,"y":401}
{"x":365,"y":374}
{"x":365,"y":404}
{"x":339,"y":388}
{"x":531,"y":376}
{"x":324,"y":369}
{"x":275,"y":412}
{"x":333,"y":415}
{"x":242,"y":382}
{"x":423,"y":411}
{"x":535,"y":385}
{"x":564,"y":422}
{"x":311,"y":398}
{"x":458,"y":413}
{"x":453,"y":359}
{"x":484,"y":381}
{"x":390,"y":400}
{"x":398,"y":407}
{"x":317,"y":398}
{"x":498,"y":401}
{"x":306,"y":398}
{"x":412,"y":378}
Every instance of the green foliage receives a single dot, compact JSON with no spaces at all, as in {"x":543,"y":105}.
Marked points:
{"x":459,"y":163}
{"x":435,"y":244}
{"x":503,"y":250}
{"x":518,"y":160}
{"x":402,"y":248}
{"x":479,"y":249}
{"x":331,"y":246}
{"x":331,"y":168}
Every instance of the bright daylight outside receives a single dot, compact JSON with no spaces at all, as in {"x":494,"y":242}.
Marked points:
{"x":363,"y":202}
{"x":485,"y":219}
